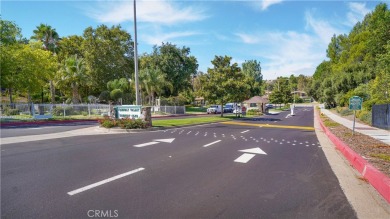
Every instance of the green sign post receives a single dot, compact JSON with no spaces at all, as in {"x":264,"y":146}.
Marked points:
{"x":355,"y":103}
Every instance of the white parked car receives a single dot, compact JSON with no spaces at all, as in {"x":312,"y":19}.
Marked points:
{"x":214,"y":109}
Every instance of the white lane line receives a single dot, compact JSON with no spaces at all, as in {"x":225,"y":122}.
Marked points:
{"x":146,"y":144}
{"x":244,"y":131}
{"x":211,"y":143}
{"x":244,"y":158}
{"x":104,"y":181}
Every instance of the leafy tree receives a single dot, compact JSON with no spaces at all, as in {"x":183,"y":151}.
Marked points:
{"x":73,"y":74}
{"x":71,"y":45}
{"x":26,"y":69}
{"x":126,"y":86}
{"x":108,"y":55}
{"x":116,"y":94}
{"x":225,"y":82}
{"x":176,"y":63}
{"x":154,"y":81}
{"x":48,"y":36}
{"x":252,"y":70}
{"x":10,"y":33}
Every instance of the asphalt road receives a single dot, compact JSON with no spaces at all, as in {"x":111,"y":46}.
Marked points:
{"x":194,"y":172}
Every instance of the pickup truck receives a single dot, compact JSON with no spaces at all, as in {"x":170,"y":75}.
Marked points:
{"x":214,"y":109}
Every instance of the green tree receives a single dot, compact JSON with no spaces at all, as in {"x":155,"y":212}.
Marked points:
{"x":225,"y":82}
{"x":10,"y":33}
{"x":48,"y":36}
{"x":176,"y":63}
{"x":154,"y":81}
{"x":108,"y":55}
{"x":68,"y":46}
{"x":26,"y":69}
{"x":126,"y":86}
{"x":252,"y":70}
{"x":73,"y":74}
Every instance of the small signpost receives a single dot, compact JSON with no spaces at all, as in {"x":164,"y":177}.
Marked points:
{"x":355,"y":103}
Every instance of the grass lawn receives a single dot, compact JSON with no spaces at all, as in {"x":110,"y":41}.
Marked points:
{"x":188,"y":121}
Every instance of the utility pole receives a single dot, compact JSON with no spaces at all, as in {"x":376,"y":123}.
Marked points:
{"x":137,"y":96}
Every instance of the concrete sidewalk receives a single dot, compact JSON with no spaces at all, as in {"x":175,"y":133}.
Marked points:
{"x":379,"y":134}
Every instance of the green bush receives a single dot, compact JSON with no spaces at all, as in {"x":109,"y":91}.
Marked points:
{"x":252,"y":112}
{"x":10,"y":112}
{"x":344,"y":111}
{"x":364,"y":116}
{"x":108,"y":123}
{"x":123,"y":123}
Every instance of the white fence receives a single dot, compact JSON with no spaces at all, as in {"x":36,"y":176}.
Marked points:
{"x":40,"y":111}
{"x":169,"y":109}
{"x":43,"y":111}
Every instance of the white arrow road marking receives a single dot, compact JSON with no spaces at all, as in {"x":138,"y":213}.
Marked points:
{"x":247,"y":157}
{"x":244,"y":158}
{"x":253,"y":151}
{"x":168,"y":140}
{"x":104,"y":181}
{"x":211,"y":143}
{"x":146,"y":144}
{"x":156,"y":141}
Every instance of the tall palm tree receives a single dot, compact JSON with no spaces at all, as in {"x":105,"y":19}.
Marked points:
{"x":73,"y":73}
{"x":49,"y":37}
{"x":154,"y":82}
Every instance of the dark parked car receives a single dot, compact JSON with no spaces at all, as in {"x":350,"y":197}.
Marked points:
{"x":228,"y":109}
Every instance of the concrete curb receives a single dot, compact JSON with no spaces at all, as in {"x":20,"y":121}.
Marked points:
{"x":375,"y":177}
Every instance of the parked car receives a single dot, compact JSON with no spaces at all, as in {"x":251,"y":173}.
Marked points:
{"x":269,"y":106}
{"x":214,"y":109}
{"x":228,"y":108}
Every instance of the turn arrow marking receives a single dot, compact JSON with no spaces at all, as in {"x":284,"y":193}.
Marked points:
{"x":168,"y":140}
{"x":156,"y":141}
{"x":249,"y":154}
{"x":254,"y":151}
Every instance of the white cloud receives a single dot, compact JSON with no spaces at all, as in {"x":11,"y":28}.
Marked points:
{"x":158,"y":12}
{"x":267,"y":3}
{"x":323,"y":29}
{"x":356,"y":13}
{"x":284,"y":53}
{"x":248,"y":39}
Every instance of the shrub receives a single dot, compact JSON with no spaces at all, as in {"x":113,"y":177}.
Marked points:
{"x":11,"y":112}
{"x":254,"y":112}
{"x":364,"y":116}
{"x":123,"y":123}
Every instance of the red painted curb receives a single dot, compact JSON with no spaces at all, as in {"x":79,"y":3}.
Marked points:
{"x":45,"y":122}
{"x":375,"y":177}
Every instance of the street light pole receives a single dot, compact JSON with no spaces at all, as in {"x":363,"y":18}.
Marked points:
{"x":137,"y":96}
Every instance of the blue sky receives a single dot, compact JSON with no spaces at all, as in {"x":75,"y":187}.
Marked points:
{"x":287,"y":37}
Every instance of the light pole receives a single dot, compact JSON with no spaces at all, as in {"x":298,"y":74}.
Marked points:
{"x":137,"y":96}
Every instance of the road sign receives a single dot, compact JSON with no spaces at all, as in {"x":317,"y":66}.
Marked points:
{"x":355,"y":103}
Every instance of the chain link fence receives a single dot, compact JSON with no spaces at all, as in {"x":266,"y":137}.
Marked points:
{"x":169,"y":109}
{"x":24,"y":111}
{"x":44,"y":111}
